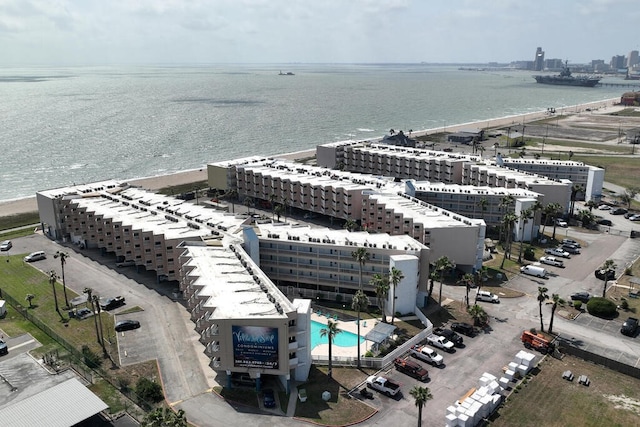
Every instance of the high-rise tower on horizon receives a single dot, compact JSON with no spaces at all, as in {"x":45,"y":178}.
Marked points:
{"x":538,"y":62}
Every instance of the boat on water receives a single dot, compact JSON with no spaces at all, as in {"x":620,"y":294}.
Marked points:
{"x":566,"y":79}
{"x":289,"y":73}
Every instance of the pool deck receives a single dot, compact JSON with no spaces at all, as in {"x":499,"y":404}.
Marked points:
{"x":366,"y":326}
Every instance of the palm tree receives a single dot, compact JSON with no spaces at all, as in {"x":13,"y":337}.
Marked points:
{"x":478,"y":315}
{"x":506,"y":205}
{"x":350,"y":225}
{"x":63,"y":260}
{"x":608,"y":265}
{"x":30,"y":298}
{"x":537,"y":209}
{"x":508,"y":221}
{"x":420,"y":395}
{"x":232,"y":195}
{"x":272,"y":200}
{"x":548,"y":213}
{"x":165,"y":417}
{"x":360,"y":302}
{"x":443,"y":264}
{"x":380,"y":283}
{"x":556,"y":211}
{"x":525,"y":216}
{"x":483,"y":204}
{"x":556,"y":300}
{"x":53,"y":277}
{"x":575,"y":190}
{"x":248,"y":202}
{"x":95,"y":307}
{"x":542,"y":297}
{"x":591,"y":204}
{"x":586,"y":217}
{"x":395,"y":278}
{"x":89,"y":293}
{"x":278,"y":210}
{"x":628,"y":195}
{"x":362,"y":256}
{"x":468,"y":279}
{"x":432,"y":276}
{"x":330,"y":331}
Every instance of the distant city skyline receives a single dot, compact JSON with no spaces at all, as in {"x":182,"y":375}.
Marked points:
{"x":94,"y":32}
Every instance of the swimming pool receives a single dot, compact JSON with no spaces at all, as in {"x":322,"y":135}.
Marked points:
{"x":343,"y":339}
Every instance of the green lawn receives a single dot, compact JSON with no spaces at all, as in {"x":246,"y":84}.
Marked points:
{"x":19,"y":279}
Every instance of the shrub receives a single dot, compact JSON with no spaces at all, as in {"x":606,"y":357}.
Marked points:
{"x":369,"y":353}
{"x":577,"y":305}
{"x":601,"y":307}
{"x":148,"y":390}
{"x":91,"y":359}
{"x":627,"y":271}
{"x":338,"y":297}
{"x":624,"y":304}
{"x":529,"y":253}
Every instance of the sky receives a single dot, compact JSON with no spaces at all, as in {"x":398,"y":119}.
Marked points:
{"x":112,"y":32}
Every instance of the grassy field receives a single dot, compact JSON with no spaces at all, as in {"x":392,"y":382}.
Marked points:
{"x":340,"y":410}
{"x":612,"y":399}
{"x":623,"y":171}
{"x":13,"y":221}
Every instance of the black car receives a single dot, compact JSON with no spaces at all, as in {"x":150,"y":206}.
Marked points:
{"x":456,"y":339}
{"x":463,"y":328}
{"x":618,"y":211}
{"x":4,"y":349}
{"x":127,"y":325}
{"x":629,"y":327}
{"x":605,"y":274}
{"x":581,"y":296}
{"x":268,"y":398}
{"x":111,"y":303}
{"x":606,"y":222}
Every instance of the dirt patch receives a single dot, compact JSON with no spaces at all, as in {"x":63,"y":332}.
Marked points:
{"x":546,"y":399}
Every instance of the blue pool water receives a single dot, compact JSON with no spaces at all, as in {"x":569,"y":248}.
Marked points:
{"x":343,"y":339}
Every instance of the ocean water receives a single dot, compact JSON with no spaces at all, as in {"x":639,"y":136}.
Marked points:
{"x":61,"y":126}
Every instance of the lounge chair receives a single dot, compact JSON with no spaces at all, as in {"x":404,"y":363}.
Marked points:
{"x":302,"y":394}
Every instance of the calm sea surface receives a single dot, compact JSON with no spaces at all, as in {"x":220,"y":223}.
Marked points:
{"x":61,"y":126}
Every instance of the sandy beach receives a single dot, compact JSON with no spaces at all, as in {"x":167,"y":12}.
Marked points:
{"x":13,"y":207}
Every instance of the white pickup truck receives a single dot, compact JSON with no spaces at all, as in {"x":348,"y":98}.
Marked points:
{"x":383,"y":385}
{"x":551,"y":260}
{"x":440,"y":342}
{"x":427,"y":354}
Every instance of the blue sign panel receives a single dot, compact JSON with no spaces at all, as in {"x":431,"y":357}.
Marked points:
{"x":255,"y":347}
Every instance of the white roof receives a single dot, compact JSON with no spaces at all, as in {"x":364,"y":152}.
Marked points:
{"x":63,"y":405}
{"x":235,"y":291}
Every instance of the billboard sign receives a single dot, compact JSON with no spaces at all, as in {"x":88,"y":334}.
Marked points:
{"x":255,"y":347}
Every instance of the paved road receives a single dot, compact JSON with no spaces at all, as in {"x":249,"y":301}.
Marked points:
{"x":167,"y":333}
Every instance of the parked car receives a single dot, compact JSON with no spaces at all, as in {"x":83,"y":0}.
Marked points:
{"x":242,"y":379}
{"x":581,"y":296}
{"x":605,"y":274}
{"x":35,"y":256}
{"x":629,"y":327}
{"x":4,"y":349}
{"x":571,"y":242}
{"x":463,"y":328}
{"x":561,"y":222}
{"x":635,"y":217}
{"x":557,"y":252}
{"x":6,"y":245}
{"x":268,"y":398}
{"x":127,"y":325}
{"x":604,"y":207}
{"x":125,"y":263}
{"x":572,"y":249}
{"x":449,"y":334}
{"x":487,"y":296}
{"x":111,"y":303}
{"x":81,"y":313}
{"x":551,"y":260}
{"x":618,"y":211}
{"x":411,"y":368}
{"x":606,"y":222}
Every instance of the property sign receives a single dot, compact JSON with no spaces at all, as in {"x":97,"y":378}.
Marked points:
{"x":255,"y":347}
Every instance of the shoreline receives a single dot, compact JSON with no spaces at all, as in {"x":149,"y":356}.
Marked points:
{"x":153,"y":183}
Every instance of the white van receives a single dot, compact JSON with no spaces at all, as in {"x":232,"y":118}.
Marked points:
{"x":487,"y":296}
{"x":534,"y":270}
